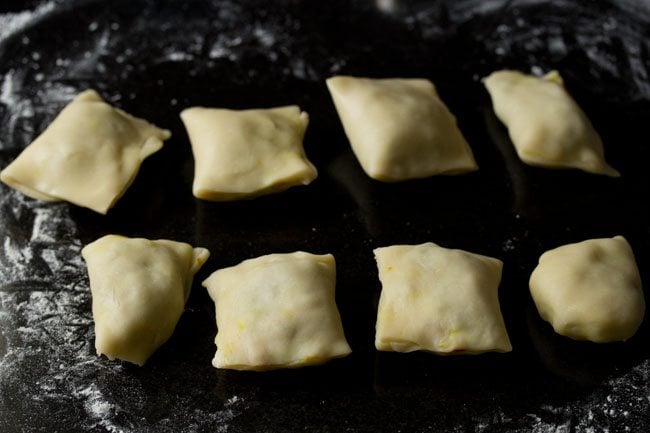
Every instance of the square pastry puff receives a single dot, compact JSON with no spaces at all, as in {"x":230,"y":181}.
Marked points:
{"x":590,"y":290}
{"x":277,"y":311}
{"x":88,"y":155}
{"x":440,"y":300}
{"x":246,"y":153}
{"x":546,"y":126}
{"x":399,"y":128}
{"x":139,"y":289}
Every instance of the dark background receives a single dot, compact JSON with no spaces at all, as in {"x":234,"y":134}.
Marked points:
{"x":155,"y":58}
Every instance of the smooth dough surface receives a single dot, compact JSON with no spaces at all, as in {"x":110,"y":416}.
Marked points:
{"x":545,"y":124}
{"x":89,"y":155}
{"x":247,"y":153}
{"x":590,"y":290}
{"x":440,"y":300}
{"x":139,"y":288}
{"x":399,"y":128}
{"x":277,"y":311}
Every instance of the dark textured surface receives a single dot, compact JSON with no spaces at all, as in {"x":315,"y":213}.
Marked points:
{"x":155,"y":60}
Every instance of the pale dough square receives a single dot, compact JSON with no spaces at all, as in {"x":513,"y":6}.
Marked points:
{"x":246,"y":153}
{"x":399,"y":128}
{"x":546,"y":126}
{"x":277,"y":311}
{"x":89,"y":155}
{"x":590,"y":290}
{"x":139,"y":288}
{"x":439,"y":300}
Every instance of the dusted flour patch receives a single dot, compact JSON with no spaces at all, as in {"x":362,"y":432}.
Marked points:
{"x":46,"y":332}
{"x":44,"y":297}
{"x":13,"y":23}
{"x":621,"y":403}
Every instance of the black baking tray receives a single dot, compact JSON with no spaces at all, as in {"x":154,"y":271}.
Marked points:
{"x":154,"y":58}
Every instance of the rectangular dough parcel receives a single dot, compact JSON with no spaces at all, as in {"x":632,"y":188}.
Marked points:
{"x":88,"y":155}
{"x":139,"y":289}
{"x":440,"y":300}
{"x":399,"y":128}
{"x":246,"y":153}
{"x":546,"y":126}
{"x":277,"y":311}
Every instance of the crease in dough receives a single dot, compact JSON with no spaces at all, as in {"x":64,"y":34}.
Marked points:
{"x":89,"y":155}
{"x":277,"y":311}
{"x":590,"y":290}
{"x":439,"y":300}
{"x":545,"y":124}
{"x":139,"y":288}
{"x":241,"y":154}
{"x":400,"y":129}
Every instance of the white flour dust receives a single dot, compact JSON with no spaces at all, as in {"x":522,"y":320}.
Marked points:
{"x":45,"y":298}
{"x":621,"y":403}
{"x":18,"y":106}
{"x":45,"y":310}
{"x":44,"y":294}
{"x":613,"y":50}
{"x":47,"y":358}
{"x":21,"y":104}
{"x":13,"y":23}
{"x":99,"y":410}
